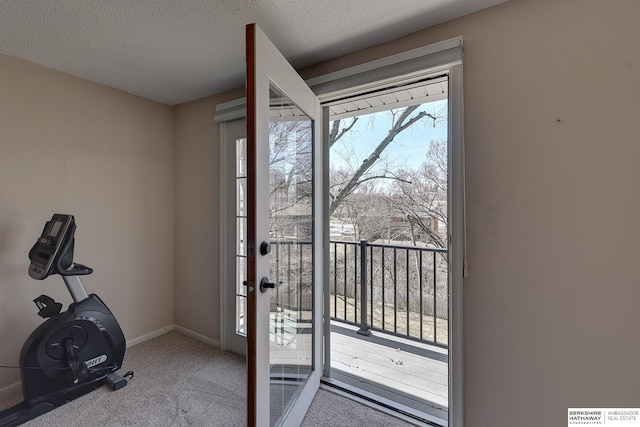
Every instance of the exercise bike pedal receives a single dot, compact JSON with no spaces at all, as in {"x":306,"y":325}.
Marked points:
{"x":117,"y":382}
{"x":47,"y":306}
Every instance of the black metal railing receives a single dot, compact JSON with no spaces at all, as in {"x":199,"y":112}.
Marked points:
{"x":402,"y":290}
{"x":292,"y":267}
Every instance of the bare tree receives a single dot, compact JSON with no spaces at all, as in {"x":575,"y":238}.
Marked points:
{"x":402,"y":119}
{"x":421,"y":197}
{"x":382,"y":198}
{"x":290,"y":178}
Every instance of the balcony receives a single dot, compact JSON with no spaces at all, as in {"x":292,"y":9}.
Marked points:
{"x":389,"y":319}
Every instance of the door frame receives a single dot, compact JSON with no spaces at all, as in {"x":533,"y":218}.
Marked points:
{"x":444,"y":55}
{"x":229,"y":339}
{"x":456,"y":213}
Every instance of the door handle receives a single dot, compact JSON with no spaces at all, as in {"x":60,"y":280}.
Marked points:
{"x":266,"y":284}
{"x":249,"y":286}
{"x":265,"y":248}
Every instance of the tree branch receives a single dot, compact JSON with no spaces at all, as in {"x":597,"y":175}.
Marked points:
{"x":384,"y":176}
{"x":398,"y":127}
{"x":335,"y":134}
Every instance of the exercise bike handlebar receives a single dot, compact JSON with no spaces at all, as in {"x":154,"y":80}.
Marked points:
{"x":76,"y":270}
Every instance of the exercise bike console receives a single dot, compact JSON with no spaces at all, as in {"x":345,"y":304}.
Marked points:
{"x":48,"y":246}
{"x":71,"y":353}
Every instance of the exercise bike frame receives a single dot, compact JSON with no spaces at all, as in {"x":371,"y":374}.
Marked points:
{"x":71,"y":353}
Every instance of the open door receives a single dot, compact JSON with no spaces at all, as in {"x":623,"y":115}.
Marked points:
{"x":284,"y":238}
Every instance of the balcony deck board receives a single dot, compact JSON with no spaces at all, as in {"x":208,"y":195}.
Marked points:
{"x":410,"y":373}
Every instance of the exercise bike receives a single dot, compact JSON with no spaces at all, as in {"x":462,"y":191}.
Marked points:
{"x":71,"y":353}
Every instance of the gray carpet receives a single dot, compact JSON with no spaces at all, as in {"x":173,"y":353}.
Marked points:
{"x":181,"y":382}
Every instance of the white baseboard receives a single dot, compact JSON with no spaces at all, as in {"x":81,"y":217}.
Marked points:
{"x":150,"y":335}
{"x":10,"y":388}
{"x":146,"y":337}
{"x":196,"y":336}
{"x":17,"y":386}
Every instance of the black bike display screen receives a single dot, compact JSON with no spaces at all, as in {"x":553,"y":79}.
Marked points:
{"x":55,"y":229}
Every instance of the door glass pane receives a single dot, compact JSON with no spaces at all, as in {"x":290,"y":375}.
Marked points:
{"x":241,"y":327}
{"x":241,"y":268}
{"x":291,"y":258}
{"x":241,"y":234}
{"x":241,"y":157}
{"x":241,"y":191}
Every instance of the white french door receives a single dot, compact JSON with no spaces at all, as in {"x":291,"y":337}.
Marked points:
{"x":284,"y":238}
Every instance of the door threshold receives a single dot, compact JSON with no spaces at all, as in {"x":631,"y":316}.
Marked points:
{"x":382,"y":404}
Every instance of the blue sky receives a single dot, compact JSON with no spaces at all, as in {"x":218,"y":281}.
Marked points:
{"x":408,"y":147}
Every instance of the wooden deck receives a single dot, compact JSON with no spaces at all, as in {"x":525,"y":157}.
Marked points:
{"x":400,"y":373}
{"x":411,"y":374}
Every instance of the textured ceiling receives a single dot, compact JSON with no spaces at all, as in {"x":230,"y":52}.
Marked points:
{"x":174,"y":51}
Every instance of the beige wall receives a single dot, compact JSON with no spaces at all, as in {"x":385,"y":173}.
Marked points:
{"x":71,"y":146}
{"x":552,"y":304}
{"x":552,"y":106}
{"x":197,"y":213}
{"x":552,"y":103}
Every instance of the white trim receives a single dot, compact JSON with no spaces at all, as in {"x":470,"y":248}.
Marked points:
{"x":231,"y":110}
{"x":130,"y":343}
{"x":224,"y":220}
{"x":179,"y":329}
{"x":405,"y":67}
{"x":196,"y":336}
{"x":417,"y":62}
{"x":326,"y":237}
{"x":12,"y":388}
{"x":146,"y":337}
{"x":456,"y":247}
{"x":150,"y":335}
{"x":387,"y":61}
